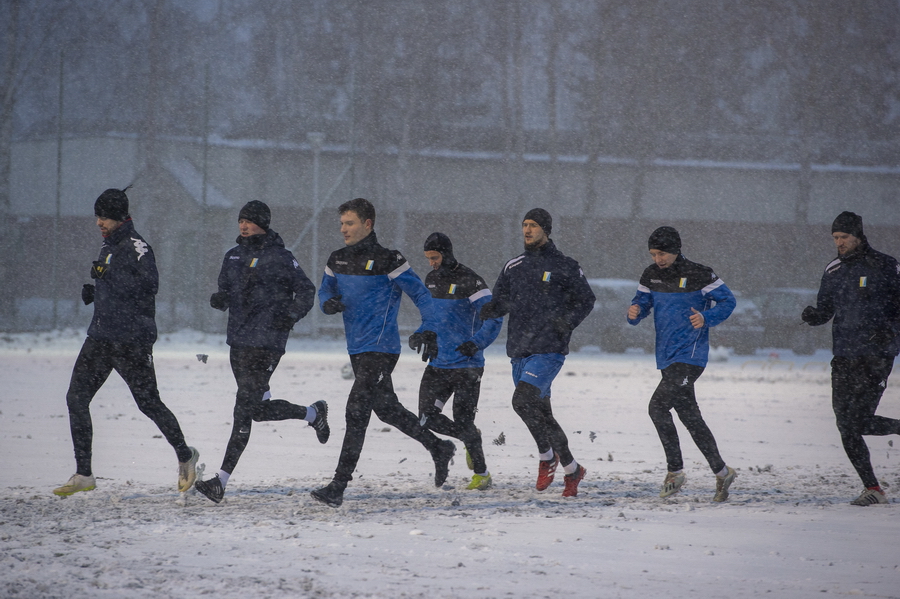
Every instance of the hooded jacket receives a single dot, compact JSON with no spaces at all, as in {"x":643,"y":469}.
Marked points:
{"x":264,"y":284}
{"x":125,"y":296}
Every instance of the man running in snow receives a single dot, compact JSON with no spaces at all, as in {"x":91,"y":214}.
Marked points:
{"x":861,"y":290}
{"x":546,"y":296}
{"x":265,"y":292}
{"x":458,"y":293}
{"x":681,"y":294}
{"x":364,"y":281}
{"x":120,"y":337}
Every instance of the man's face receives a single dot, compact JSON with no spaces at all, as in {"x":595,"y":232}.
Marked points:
{"x":845,"y":242}
{"x":107,"y":225}
{"x":663,"y":259}
{"x":533,"y":233}
{"x":434,"y":259}
{"x":353,"y":229}
{"x":249,"y":228}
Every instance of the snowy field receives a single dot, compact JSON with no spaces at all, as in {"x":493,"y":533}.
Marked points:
{"x":786,"y":531}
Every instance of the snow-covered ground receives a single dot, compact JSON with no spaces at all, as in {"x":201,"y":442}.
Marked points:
{"x":786,"y":531}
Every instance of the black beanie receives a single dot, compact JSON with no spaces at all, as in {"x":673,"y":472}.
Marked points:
{"x":848,"y":222}
{"x":541,"y":217}
{"x":665,"y":239}
{"x":257,"y":213}
{"x":438,"y":242}
{"x":112,"y":204}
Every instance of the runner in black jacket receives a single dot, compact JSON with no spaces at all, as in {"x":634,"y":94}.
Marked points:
{"x":861,"y":290}
{"x":120,"y":337}
{"x":265,"y":292}
{"x":546,"y":296}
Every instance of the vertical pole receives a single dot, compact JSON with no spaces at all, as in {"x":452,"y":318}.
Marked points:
{"x":315,"y":139}
{"x":57,"y":213}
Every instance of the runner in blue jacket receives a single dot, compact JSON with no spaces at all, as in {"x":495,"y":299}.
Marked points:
{"x":364,"y":281}
{"x":686,"y":299}
{"x":546,"y":296}
{"x":457,"y":294}
{"x":120,"y":337}
{"x":265,"y":292}
{"x":861,"y":290}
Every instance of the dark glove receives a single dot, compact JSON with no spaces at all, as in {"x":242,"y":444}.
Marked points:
{"x":426,"y":342}
{"x":219,"y":300}
{"x":98,"y":269}
{"x":333,"y":305}
{"x":87,"y":294}
{"x":283,"y":320}
{"x":490,"y":310}
{"x":561,"y":325}
{"x":812,"y":316}
{"x":468,"y":349}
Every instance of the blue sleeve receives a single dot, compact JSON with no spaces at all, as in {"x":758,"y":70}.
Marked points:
{"x":490,"y":328}
{"x":329,"y":287}
{"x":410,"y":283}
{"x":725,"y":303}
{"x":644,"y":300}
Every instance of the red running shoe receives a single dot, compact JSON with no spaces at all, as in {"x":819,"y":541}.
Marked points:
{"x":546,"y":470}
{"x":572,"y":481}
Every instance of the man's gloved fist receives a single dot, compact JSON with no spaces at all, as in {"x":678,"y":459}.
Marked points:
{"x":467,"y":348}
{"x":415,"y":341}
{"x":219,"y":300}
{"x":87,"y":294}
{"x":333,"y":305}
{"x":429,"y":346}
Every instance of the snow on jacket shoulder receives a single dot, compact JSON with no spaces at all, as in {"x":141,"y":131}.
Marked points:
{"x":862,"y":292}
{"x":371,"y":280}
{"x":125,"y":297}
{"x":671,"y":293}
{"x":458,"y":293}
{"x":546,"y":296}
{"x":265,"y":284}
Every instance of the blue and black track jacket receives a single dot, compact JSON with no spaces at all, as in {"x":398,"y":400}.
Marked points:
{"x":546,"y":296}
{"x":862,"y":291}
{"x":458,"y":294}
{"x":671,"y":293}
{"x":265,"y":284}
{"x":371,"y":280}
{"x":125,"y":296}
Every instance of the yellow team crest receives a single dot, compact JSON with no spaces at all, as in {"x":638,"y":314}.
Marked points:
{"x":253,"y":262}
{"x":452,"y":288}
{"x":682,"y":282}
{"x":546,"y":277}
{"x":370,"y":264}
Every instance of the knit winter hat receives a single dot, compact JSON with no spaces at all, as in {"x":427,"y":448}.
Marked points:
{"x":112,"y":204}
{"x":438,"y":242}
{"x":665,"y":239}
{"x":541,"y":217}
{"x":848,"y":222}
{"x":257,"y":213}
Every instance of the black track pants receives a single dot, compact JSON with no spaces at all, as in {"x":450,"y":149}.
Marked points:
{"x":373,"y":391}
{"x":134,"y":363}
{"x":536,"y":413}
{"x":252,"y":369}
{"x":464,"y":384}
{"x":676,"y":390}
{"x":857,"y":385}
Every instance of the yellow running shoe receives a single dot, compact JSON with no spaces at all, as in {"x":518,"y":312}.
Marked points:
{"x":480,"y":483}
{"x":76,"y":483}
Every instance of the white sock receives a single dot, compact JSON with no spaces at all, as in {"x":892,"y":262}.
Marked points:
{"x":570,"y":468}
{"x":723,"y":473}
{"x":485,"y":473}
{"x":546,"y":457}
{"x":676,"y":471}
{"x":310,"y":414}
{"x":223,"y":478}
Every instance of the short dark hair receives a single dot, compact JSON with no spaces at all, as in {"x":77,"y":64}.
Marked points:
{"x":361,"y":206}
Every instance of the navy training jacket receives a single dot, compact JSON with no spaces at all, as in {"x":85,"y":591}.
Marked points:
{"x":264,"y":283}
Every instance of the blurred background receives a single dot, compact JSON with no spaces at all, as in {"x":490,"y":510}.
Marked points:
{"x":748,"y":125}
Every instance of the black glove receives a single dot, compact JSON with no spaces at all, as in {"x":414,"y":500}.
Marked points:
{"x":333,"y":305}
{"x":490,"y":310}
{"x":283,"y":320}
{"x":468,"y":349}
{"x":98,"y":269}
{"x":415,"y":341}
{"x":812,"y":316}
{"x":87,"y":294}
{"x":219,"y":300}
{"x":426,"y":341}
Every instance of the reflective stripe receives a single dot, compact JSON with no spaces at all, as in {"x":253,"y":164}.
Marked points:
{"x":399,"y":271}
{"x":714,"y":285}
{"x":479,"y":294}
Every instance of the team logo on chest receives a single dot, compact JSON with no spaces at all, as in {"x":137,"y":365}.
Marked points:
{"x":546,"y":277}
{"x":452,"y":289}
{"x":370,"y":264}
{"x":682,"y":282}
{"x":140,"y":246}
{"x":254,"y":262}
{"x":864,"y":281}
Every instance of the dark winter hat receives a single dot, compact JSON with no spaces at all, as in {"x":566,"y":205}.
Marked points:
{"x":438,"y":242}
{"x":257,"y":213}
{"x":113,"y":204}
{"x":848,"y":222}
{"x":541,"y":217}
{"x":665,"y":239}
